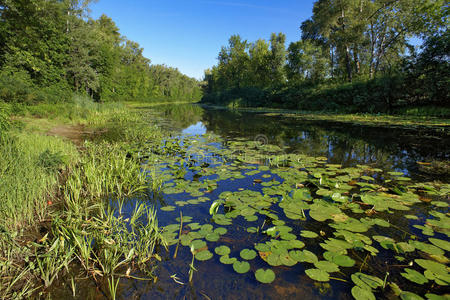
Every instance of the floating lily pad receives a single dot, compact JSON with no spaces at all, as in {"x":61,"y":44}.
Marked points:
{"x":241,"y":266}
{"x":220,"y":230}
{"x":203,"y":255}
{"x":212,"y":237}
{"x":326,"y":266}
{"x":265,"y":276}
{"x":198,"y":244}
{"x":248,"y":254}
{"x":410,"y":296}
{"x":168,"y":208}
{"x":308,"y":234}
{"x":414,"y":276}
{"x":318,"y":275}
{"x":226,"y":260}
{"x":362,"y":294}
{"x":222,"y":250}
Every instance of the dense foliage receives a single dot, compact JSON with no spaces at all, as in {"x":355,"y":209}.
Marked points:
{"x":51,"y":48}
{"x":352,"y":56}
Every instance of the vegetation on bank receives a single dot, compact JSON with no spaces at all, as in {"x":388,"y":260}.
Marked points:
{"x":50,"y":49}
{"x":353,"y":57}
{"x":55,"y":211}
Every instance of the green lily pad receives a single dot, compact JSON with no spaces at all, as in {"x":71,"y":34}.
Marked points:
{"x":248,"y":254}
{"x":308,"y":234}
{"x":212,"y":237}
{"x":343,"y":261}
{"x":326,"y":266}
{"x":265,"y":276}
{"x":222,"y":250}
{"x":318,"y":275}
{"x":414,"y":276}
{"x":168,"y":208}
{"x":440,"y":243}
{"x":226,"y":260}
{"x":362,"y":294}
{"x":241,"y":267}
{"x":410,"y":296}
{"x":198,"y":244}
{"x":203,"y":255}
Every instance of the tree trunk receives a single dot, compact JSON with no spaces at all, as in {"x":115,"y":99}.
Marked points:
{"x":347,"y":63}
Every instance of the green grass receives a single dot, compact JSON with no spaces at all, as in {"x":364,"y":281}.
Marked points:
{"x":49,"y":179}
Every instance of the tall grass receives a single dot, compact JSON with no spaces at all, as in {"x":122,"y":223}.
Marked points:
{"x":86,"y":228}
{"x":29,"y":169}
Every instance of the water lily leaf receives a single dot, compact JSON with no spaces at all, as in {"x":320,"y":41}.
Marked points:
{"x":414,"y":276}
{"x":248,"y":254}
{"x":226,"y":260}
{"x":362,"y":294}
{"x":326,"y":266}
{"x":433,"y":266}
{"x":366,"y":281}
{"x":307,"y":256}
{"x":343,"y":261}
{"x":440,"y":243}
{"x":203,"y":255}
{"x":265,"y":276}
{"x":287,"y":260}
{"x":220,"y":230}
{"x":308,"y":234}
{"x":410,"y":296}
{"x":198,"y":244}
{"x":318,"y":275}
{"x":241,"y":267}
{"x":435,"y":297}
{"x":168,"y":208}
{"x":252,"y":230}
{"x":222,"y":250}
{"x":212,"y":237}
{"x":194,"y":226}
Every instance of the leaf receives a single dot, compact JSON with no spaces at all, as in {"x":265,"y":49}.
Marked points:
{"x":414,"y":276}
{"x":265,"y":276}
{"x":343,"y":261}
{"x":203,"y":255}
{"x":440,"y":243}
{"x":248,"y":254}
{"x":226,"y":260}
{"x":241,"y":267}
{"x":326,"y":266}
{"x":222,"y":250}
{"x":318,"y":275}
{"x":308,"y":234}
{"x":410,"y":296}
{"x":362,"y":294}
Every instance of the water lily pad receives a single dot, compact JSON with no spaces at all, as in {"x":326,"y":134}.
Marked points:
{"x":318,"y":275}
{"x":326,"y":266}
{"x":362,"y":294}
{"x":440,"y":243}
{"x":226,"y":260}
{"x":265,"y":276}
{"x":241,"y":267}
{"x":203,"y":255}
{"x":212,"y":237}
{"x":248,"y":254}
{"x":222,"y":250}
{"x":168,"y":208}
{"x":308,"y":234}
{"x":410,"y":296}
{"x":343,"y":261}
{"x":198,"y":244}
{"x":220,"y":230}
{"x":414,"y":276}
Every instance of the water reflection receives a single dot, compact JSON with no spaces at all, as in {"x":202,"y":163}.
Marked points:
{"x":386,"y":148}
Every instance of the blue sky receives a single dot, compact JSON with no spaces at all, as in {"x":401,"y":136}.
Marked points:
{"x":188,"y":34}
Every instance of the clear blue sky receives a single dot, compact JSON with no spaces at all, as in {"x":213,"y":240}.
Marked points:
{"x":188,"y":34}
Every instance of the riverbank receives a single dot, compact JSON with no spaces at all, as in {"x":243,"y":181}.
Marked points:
{"x":59,"y":165}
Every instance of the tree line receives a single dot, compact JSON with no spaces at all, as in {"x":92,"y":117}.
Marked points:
{"x":354,"y":55}
{"x":52,"y":48}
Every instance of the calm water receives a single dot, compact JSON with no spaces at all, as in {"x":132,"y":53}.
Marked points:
{"x":388,"y":149}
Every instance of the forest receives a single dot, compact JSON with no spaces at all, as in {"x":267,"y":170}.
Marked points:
{"x":51,"y":49}
{"x":353,"y":56}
